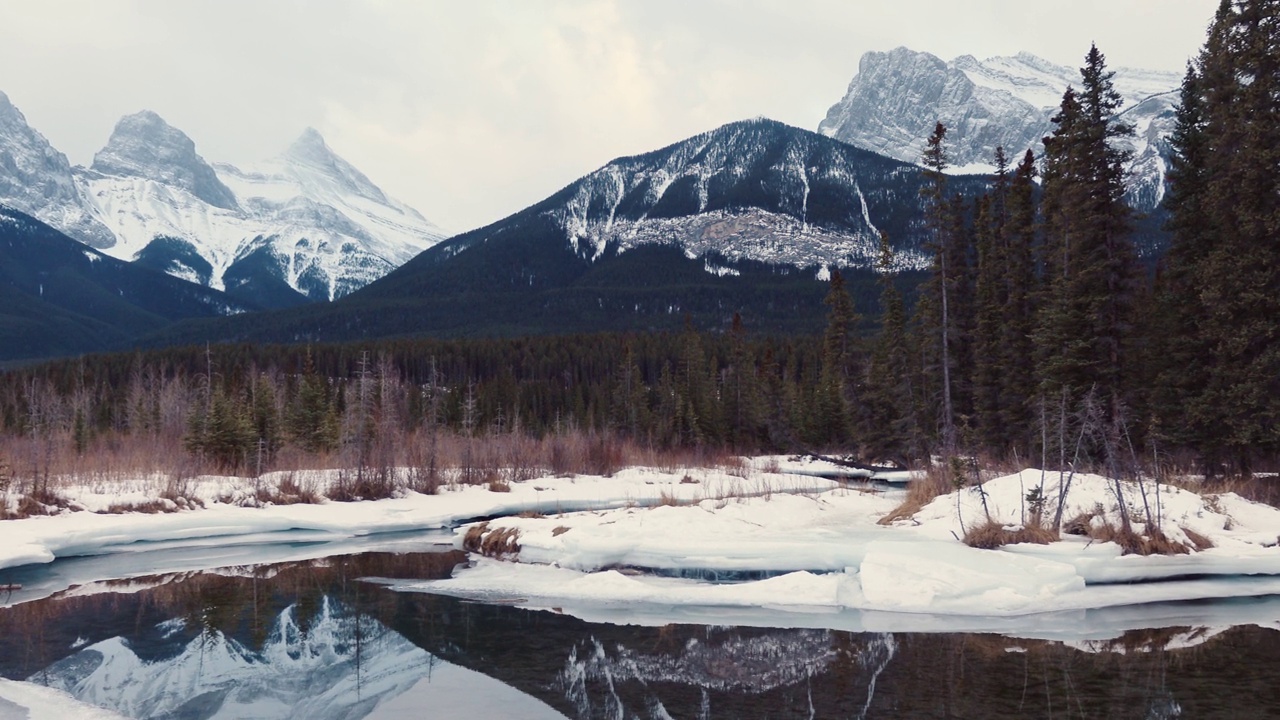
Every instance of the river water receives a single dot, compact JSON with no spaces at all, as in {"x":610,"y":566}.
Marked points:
{"x":312,"y":639}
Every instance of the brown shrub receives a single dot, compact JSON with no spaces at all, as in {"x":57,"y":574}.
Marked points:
{"x":501,"y":543}
{"x":475,"y":533}
{"x":496,"y":485}
{"x":920,"y":492}
{"x":559,"y":530}
{"x":1199,"y":541}
{"x":991,"y":535}
{"x":1131,"y":543}
{"x":150,"y":507}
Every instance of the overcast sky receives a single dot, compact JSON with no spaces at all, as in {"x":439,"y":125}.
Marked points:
{"x":474,"y":109}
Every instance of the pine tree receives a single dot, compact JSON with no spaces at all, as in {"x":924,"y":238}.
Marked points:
{"x":1239,"y":275}
{"x":990,"y":306}
{"x":831,"y":420}
{"x":1017,"y":361}
{"x":886,"y":427}
{"x":935,"y":322}
{"x":1084,"y":321}
{"x":741,"y":391}
{"x":313,"y":420}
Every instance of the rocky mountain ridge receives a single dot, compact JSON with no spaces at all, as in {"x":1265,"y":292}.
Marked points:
{"x":301,"y":227}
{"x":895,"y":98}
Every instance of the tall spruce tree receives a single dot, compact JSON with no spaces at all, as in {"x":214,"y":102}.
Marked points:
{"x":1084,"y":321}
{"x":934,"y":313}
{"x":990,"y":299}
{"x":1236,"y":267}
{"x":1017,"y":361}
{"x":831,"y":420}
{"x":885,"y":417}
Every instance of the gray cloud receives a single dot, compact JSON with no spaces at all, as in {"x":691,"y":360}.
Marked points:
{"x":472,"y":110}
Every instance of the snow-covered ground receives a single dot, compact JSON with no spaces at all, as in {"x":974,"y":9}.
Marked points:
{"x":825,"y":552}
{"x":224,"y":515}
{"x":767,"y":534}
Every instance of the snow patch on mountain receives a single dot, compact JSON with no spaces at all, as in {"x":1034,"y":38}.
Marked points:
{"x":749,"y":191}
{"x":308,"y":219}
{"x":38,"y":180}
{"x":896,"y":97}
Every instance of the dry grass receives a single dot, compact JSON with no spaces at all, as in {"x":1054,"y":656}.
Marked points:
{"x":559,"y":530}
{"x":475,"y":533}
{"x":499,"y":486}
{"x":150,"y":507}
{"x":991,"y":535}
{"x":920,"y":492}
{"x":1154,"y":542}
{"x":500,"y":543}
{"x":1199,"y":541}
{"x":666,"y":499}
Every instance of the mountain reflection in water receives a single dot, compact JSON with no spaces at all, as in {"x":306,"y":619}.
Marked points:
{"x":309,"y":639}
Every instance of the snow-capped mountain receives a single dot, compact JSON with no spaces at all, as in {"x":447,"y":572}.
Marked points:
{"x":895,"y":98}
{"x":757,"y":191}
{"x":340,"y":666}
{"x":748,"y":218}
{"x":304,"y":226}
{"x":38,"y":180}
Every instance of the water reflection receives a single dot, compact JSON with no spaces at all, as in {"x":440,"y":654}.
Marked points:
{"x":309,"y":639}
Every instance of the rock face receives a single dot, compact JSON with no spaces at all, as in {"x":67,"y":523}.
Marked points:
{"x":896,"y":97}
{"x":752,"y":191}
{"x":38,"y":180}
{"x":143,"y":145}
{"x":306,"y":226}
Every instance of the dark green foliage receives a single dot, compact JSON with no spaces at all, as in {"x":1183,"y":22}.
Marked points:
{"x":313,"y":418}
{"x":1221,"y":284}
{"x":830,"y":425}
{"x":887,"y":427}
{"x":1084,"y":321}
{"x":1018,"y":375}
{"x":221,"y":430}
{"x":58,"y":296}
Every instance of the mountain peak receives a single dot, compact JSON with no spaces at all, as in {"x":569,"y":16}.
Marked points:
{"x":312,"y":157}
{"x":309,"y":142}
{"x":144,"y":145}
{"x":37,"y":179}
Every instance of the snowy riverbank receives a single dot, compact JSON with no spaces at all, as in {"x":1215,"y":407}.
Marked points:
{"x":755,"y":535}
{"x":826,"y":551}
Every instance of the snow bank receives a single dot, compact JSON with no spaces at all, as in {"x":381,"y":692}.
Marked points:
{"x":826,"y":550}
{"x":1226,"y":519}
{"x":42,"y":539}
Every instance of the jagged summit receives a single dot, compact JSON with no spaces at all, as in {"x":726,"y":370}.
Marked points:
{"x":144,"y":145}
{"x":38,"y":180}
{"x":896,"y":97}
{"x":310,"y":156}
{"x":305,"y":226}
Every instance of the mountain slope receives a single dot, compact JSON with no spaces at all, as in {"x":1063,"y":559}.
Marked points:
{"x":303,"y":227}
{"x":895,"y":98}
{"x":38,"y":180}
{"x":307,"y":226}
{"x":747,"y":218}
{"x":59,"y":296}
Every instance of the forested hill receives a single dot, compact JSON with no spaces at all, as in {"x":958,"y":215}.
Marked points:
{"x":59,"y":296}
{"x":748,"y":218}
